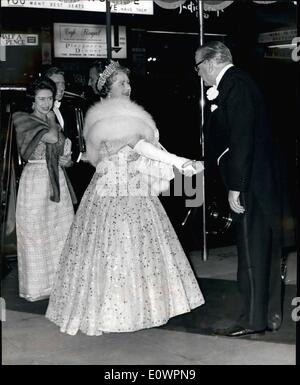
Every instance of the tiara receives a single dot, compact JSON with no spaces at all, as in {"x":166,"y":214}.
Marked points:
{"x":108,"y":70}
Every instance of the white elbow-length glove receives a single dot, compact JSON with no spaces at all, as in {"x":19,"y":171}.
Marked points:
{"x":150,"y":151}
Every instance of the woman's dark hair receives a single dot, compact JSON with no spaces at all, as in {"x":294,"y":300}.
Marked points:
{"x":41,"y":83}
{"x":110,"y":80}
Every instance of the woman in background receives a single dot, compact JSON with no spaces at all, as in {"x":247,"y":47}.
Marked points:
{"x":44,"y":205}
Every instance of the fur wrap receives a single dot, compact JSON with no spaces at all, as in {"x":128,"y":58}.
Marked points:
{"x":117,"y":119}
{"x":29,"y":131}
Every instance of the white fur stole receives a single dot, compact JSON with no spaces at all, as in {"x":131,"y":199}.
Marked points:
{"x":116,"y":119}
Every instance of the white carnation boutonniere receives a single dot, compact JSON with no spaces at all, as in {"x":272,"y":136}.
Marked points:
{"x":212,"y":93}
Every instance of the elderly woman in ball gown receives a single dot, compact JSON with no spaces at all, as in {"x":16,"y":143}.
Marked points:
{"x":123,"y":268}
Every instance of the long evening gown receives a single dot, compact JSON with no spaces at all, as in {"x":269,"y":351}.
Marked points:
{"x":42,"y":226}
{"x":122,"y":268}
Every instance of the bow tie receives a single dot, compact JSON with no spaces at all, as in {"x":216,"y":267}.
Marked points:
{"x":56,"y":104}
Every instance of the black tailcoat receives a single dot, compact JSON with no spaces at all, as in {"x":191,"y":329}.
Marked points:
{"x":239,"y":125}
{"x":80,"y":173}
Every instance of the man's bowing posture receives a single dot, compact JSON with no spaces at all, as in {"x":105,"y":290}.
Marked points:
{"x":238,"y":142}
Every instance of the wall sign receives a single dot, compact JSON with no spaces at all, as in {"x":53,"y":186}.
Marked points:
{"x":142,"y":7}
{"x":88,"y":41}
{"x":18,"y":39}
{"x":285,"y":35}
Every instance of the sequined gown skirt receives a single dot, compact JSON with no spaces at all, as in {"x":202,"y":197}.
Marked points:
{"x":42,"y":229}
{"x":122,"y":268}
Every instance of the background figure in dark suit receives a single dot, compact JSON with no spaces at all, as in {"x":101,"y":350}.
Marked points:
{"x":58,"y":77}
{"x":80,"y":173}
{"x":238,"y":142}
{"x":92,"y":93}
{"x":64,"y":110}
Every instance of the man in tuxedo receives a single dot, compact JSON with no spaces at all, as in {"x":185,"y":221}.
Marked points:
{"x":64,"y":107}
{"x":238,"y":143}
{"x":95,"y":70}
{"x":92,"y":93}
{"x":64,"y":110}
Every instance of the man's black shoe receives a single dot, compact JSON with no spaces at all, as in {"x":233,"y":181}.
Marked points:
{"x":236,"y":331}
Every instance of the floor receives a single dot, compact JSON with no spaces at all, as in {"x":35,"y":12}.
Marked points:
{"x":30,"y":339}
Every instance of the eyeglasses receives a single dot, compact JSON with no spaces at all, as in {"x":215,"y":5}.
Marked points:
{"x":197,"y":65}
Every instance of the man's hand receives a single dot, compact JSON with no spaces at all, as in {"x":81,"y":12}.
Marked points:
{"x":191,"y":168}
{"x":234,"y":202}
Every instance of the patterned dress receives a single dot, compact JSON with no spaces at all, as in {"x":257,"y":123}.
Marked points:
{"x":122,"y":268}
{"x":42,"y":226}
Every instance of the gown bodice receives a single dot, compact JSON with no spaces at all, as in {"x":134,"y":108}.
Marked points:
{"x":39,"y":153}
{"x":125,"y":172}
